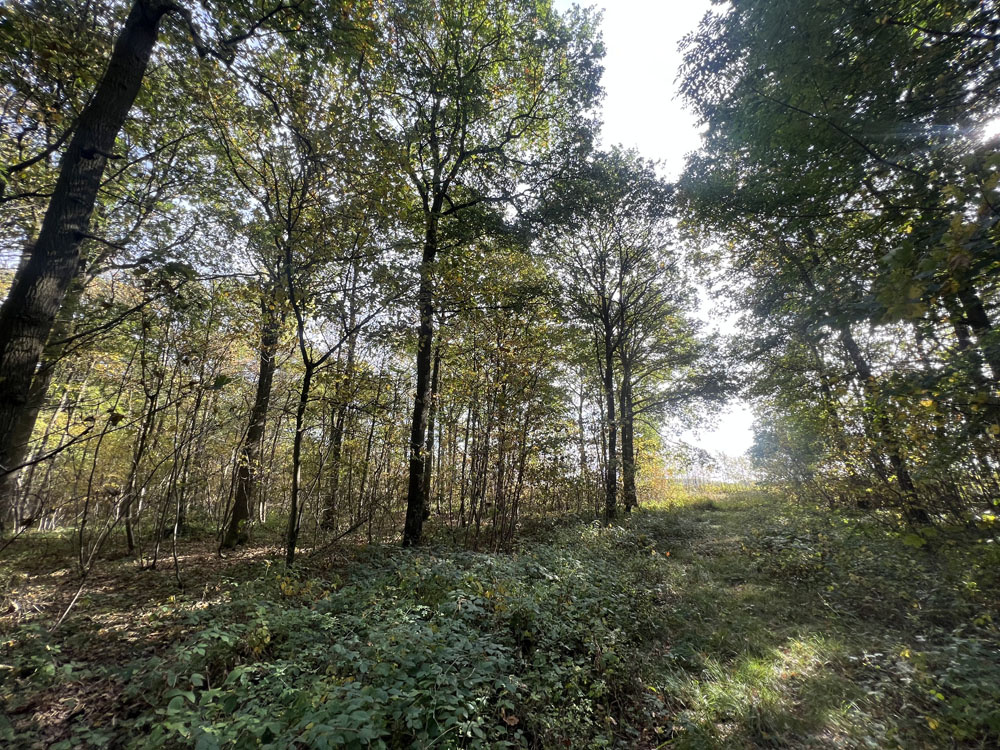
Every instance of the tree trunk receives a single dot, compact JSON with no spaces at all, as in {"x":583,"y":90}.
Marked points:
{"x":629,"y":497}
{"x":366,"y":468}
{"x":24,"y":423}
{"x":250,"y":455}
{"x":40,"y":284}
{"x":582,"y":446}
{"x":979,"y":322}
{"x":329,"y":520}
{"x":431,"y":416}
{"x":416,"y":500}
{"x":611,"y":470}
{"x":337,"y":438}
{"x":294,"y":512}
{"x":912,"y":509}
{"x":130,"y":492}
{"x":20,"y":437}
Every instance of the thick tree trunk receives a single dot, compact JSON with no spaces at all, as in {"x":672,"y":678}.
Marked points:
{"x":20,"y":436}
{"x":416,"y":500}
{"x":24,"y":425}
{"x":248,"y":465}
{"x":40,"y":284}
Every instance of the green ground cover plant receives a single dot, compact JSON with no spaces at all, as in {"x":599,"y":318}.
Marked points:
{"x":727,"y":620}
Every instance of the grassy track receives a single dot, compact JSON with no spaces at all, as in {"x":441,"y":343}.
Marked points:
{"x":795,"y":629}
{"x":733,"y":621}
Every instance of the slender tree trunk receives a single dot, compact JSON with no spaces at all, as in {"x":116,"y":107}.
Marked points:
{"x":519,"y":483}
{"x":471,"y":417}
{"x":20,"y":491}
{"x":292,"y":534}
{"x":887,"y":434}
{"x":979,"y":322}
{"x":131,"y":491}
{"x":416,"y":500}
{"x":582,"y":447}
{"x":337,"y":438}
{"x":366,"y":469}
{"x":40,"y":284}
{"x":611,"y":471}
{"x":629,"y":495}
{"x":479,"y":473}
{"x":431,"y":417}
{"x":248,"y":465}
{"x":329,"y":520}
{"x":601,"y":444}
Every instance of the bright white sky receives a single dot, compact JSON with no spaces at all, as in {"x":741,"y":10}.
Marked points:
{"x":641,"y":110}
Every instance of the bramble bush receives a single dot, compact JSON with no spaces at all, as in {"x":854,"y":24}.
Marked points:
{"x":416,"y":649}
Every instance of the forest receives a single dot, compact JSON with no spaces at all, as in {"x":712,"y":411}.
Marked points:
{"x":347,"y":374}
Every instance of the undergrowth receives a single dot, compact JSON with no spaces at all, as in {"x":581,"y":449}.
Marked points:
{"x":739,"y":621}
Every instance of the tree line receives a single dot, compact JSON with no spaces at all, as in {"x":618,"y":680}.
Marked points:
{"x":327,"y":268}
{"x":846,"y":196}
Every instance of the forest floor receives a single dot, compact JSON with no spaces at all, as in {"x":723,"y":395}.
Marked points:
{"x":736,"y":620}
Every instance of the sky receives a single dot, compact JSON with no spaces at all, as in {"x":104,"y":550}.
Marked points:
{"x":641,"y":110}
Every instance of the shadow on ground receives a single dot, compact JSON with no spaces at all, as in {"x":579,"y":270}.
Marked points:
{"x":737,"y":621}
{"x":794,"y":629}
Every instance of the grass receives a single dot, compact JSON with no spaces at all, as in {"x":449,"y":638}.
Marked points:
{"x":734,"y":620}
{"x":793,"y":628}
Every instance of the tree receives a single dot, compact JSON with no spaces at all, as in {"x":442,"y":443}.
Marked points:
{"x":607,"y":238}
{"x":51,"y":262}
{"x":482,"y":100}
{"x":843,"y":174}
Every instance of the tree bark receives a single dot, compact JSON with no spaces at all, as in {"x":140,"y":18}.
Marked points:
{"x":40,"y":284}
{"x":24,"y":422}
{"x":582,"y":446}
{"x":912,"y":509}
{"x":979,"y":322}
{"x":250,"y":454}
{"x":431,"y":417}
{"x":344,"y":384}
{"x":292,"y":534}
{"x":416,"y":500}
{"x":627,"y":417}
{"x":611,"y":469}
